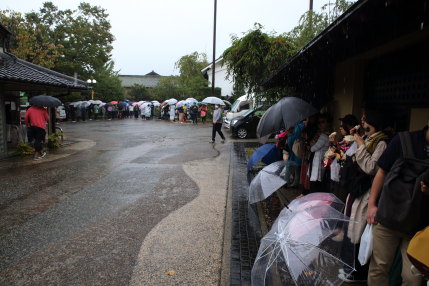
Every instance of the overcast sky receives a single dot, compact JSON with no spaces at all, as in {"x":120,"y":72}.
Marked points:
{"x":153,"y":35}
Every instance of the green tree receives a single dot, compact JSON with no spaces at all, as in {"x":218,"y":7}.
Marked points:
{"x":108,"y":86}
{"x":168,"y":87}
{"x":312,"y":23}
{"x":253,"y":58}
{"x":139,"y":92}
{"x":190,"y":79}
{"x":28,"y":42}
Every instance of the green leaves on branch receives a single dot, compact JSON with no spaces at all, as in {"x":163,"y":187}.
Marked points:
{"x":253,"y":58}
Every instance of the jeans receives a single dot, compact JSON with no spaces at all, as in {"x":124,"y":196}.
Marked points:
{"x":217,"y":128}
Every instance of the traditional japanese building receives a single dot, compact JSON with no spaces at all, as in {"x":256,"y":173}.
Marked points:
{"x":375,"y":55}
{"x":19,"y":77}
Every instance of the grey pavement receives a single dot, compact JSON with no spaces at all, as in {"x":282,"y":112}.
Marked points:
{"x":129,"y":203}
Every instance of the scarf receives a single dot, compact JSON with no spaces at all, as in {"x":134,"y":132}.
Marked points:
{"x":372,"y":141}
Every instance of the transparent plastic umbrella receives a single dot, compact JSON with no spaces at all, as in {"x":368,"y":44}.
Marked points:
{"x":266,"y":182}
{"x":299,"y":250}
{"x":213,"y":100}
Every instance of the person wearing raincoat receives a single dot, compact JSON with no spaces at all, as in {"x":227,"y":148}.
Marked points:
{"x":147,"y":112}
{"x":172,"y":112}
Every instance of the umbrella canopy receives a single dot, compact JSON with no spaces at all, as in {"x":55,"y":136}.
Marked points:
{"x":84,"y":104}
{"x":122,"y":104}
{"x":96,"y":102}
{"x":45,"y":100}
{"x":299,"y":247}
{"x":191,"y":100}
{"x":267,"y":153}
{"x":213,"y":100}
{"x":226,"y":102}
{"x":156,"y":103}
{"x":180,"y":103}
{"x":266,"y":182}
{"x":284,"y":114}
{"x":114,"y":102}
{"x":171,"y":101}
{"x":76,"y":103}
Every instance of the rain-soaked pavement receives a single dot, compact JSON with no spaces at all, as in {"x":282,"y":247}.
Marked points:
{"x":99,"y":215}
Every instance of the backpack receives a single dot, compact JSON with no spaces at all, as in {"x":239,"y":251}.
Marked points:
{"x":402,"y":206}
{"x":353,"y":178}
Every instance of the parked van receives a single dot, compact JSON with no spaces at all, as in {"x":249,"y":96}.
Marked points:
{"x":239,"y":107}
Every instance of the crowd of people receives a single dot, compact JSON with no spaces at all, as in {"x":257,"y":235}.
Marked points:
{"x":353,"y":163}
{"x":191,"y":112}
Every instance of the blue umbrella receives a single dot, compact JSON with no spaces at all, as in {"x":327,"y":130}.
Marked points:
{"x":267,"y":153}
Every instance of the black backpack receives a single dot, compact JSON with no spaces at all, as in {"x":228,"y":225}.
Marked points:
{"x":353,"y":179}
{"x":402,"y":206}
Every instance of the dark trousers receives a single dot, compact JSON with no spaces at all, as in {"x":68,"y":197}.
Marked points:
{"x":217,"y":128}
{"x":39,"y":137}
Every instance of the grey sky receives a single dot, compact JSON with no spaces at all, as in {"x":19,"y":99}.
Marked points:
{"x":153,"y":35}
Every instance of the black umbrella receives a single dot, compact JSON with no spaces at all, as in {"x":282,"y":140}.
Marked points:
{"x":45,"y":100}
{"x":284,"y":114}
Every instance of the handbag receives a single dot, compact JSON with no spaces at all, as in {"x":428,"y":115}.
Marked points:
{"x":402,"y":206}
{"x":418,"y":251}
{"x":365,"y":248}
{"x":298,"y":147}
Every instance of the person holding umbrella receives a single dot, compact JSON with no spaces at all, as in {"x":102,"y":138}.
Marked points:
{"x":217,"y":124}
{"x":35,"y":119}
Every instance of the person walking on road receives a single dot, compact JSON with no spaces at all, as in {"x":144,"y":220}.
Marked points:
{"x":217,"y":124}
{"x":194,"y":113}
{"x":35,"y":119}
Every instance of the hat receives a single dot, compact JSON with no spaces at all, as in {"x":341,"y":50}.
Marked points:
{"x":376,"y":120}
{"x":350,"y":120}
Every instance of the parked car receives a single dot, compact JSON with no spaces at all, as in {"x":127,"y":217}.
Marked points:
{"x":238,"y":108}
{"x":244,"y":126}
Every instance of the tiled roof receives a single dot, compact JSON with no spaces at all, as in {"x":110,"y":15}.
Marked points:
{"x":145,"y":80}
{"x":14,"y":69}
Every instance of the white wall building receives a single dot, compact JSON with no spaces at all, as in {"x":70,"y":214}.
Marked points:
{"x":226,"y":85}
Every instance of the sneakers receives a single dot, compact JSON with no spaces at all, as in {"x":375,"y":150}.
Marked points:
{"x":43,"y":155}
{"x":36,"y":158}
{"x":211,"y":141}
{"x":222,"y":141}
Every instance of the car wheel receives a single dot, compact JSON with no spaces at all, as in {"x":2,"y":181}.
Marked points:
{"x":242,"y":133}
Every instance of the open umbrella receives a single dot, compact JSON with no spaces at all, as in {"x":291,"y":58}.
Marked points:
{"x":122,"y":104}
{"x":191,"y":100}
{"x":267,"y":153}
{"x":284,"y":114}
{"x":213,"y":100}
{"x":180,"y":103}
{"x":156,"y":103}
{"x":171,"y":101}
{"x":45,"y":100}
{"x":227,"y":102}
{"x":114,"y":102}
{"x":298,"y":249}
{"x":266,"y":182}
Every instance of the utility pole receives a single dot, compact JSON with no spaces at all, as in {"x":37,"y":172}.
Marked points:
{"x":214,"y":49}
{"x":311,"y":5}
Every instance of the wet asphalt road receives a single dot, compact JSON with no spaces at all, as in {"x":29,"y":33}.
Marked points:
{"x":81,"y":220}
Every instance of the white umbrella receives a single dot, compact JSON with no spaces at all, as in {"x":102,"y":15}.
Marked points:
{"x":180,"y":103}
{"x":213,"y":100}
{"x":171,"y":101}
{"x":76,"y":103}
{"x":191,"y":100}
{"x":156,"y":103}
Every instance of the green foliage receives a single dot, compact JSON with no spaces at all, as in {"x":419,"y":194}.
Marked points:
{"x":67,"y":41}
{"x":312,"y":23}
{"x":191,"y":79}
{"x":253,"y":58}
{"x":24,"y":149}
{"x":168,"y":87}
{"x":139,"y":92}
{"x":55,"y":139}
{"x":108,"y":86}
